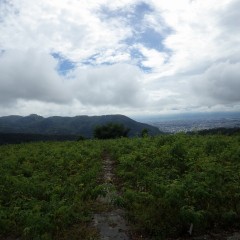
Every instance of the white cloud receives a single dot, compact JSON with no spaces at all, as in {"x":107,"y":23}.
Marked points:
{"x":219,"y":84}
{"x":30,"y":75}
{"x":114,"y":85}
{"x":193,"y":30}
{"x":203,"y":41}
{"x":196,"y":68}
{"x":70,"y":27}
{"x":111,"y":56}
{"x":152,"y":58}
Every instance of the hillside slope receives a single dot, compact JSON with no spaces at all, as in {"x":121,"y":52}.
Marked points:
{"x":79,"y":125}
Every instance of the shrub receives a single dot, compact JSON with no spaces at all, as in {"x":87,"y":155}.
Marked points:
{"x":110,"y":130}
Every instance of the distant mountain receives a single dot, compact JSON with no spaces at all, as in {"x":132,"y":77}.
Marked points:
{"x":79,"y":125}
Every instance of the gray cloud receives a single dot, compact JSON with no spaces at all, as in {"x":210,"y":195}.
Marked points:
{"x":30,"y":75}
{"x":229,"y":17}
{"x":118,"y":84}
{"x":220,"y":84}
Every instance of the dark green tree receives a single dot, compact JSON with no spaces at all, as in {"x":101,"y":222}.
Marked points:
{"x":111,"y":130}
{"x":145,"y":132}
{"x":81,"y":138}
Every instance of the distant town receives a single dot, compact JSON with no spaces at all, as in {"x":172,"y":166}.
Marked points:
{"x":186,"y":123}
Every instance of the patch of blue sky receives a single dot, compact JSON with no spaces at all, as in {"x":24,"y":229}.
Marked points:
{"x":91,"y":60}
{"x":133,"y":16}
{"x":148,"y":38}
{"x":139,"y":12}
{"x":98,"y":59}
{"x":136,"y":54}
{"x":138,"y":57}
{"x":64,"y":65}
{"x":145,"y":69}
{"x":106,"y":13}
{"x":152,"y":39}
{"x":146,"y":35}
{"x":142,"y":34}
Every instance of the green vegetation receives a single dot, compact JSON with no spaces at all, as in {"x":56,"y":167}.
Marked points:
{"x":110,"y":131}
{"x":48,"y":190}
{"x":145,"y":132}
{"x":224,"y":131}
{"x":171,"y":182}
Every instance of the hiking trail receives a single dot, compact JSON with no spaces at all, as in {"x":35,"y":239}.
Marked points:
{"x":110,"y":223}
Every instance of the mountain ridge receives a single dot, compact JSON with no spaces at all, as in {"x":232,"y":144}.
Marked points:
{"x":78,"y":125}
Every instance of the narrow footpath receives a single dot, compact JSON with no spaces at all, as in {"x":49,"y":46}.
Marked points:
{"x":110,"y":224}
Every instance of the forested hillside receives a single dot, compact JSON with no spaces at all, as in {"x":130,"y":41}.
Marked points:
{"x":79,"y":125}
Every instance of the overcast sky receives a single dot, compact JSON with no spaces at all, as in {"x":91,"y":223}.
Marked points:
{"x":98,"y":57}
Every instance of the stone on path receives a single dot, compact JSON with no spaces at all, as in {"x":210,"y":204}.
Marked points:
{"x":111,"y":225}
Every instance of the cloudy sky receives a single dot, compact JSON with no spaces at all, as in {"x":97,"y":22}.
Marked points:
{"x":94,"y":57}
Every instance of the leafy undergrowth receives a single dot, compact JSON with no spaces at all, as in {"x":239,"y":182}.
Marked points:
{"x":171,"y":182}
{"x":47,"y":190}
{"x":167,"y":183}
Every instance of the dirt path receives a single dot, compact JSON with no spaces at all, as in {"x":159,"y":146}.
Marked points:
{"x":110,"y":224}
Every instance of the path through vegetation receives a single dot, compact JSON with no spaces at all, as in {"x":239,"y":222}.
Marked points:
{"x":111,"y":223}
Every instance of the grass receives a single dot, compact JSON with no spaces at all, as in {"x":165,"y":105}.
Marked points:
{"x":49,"y":190}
